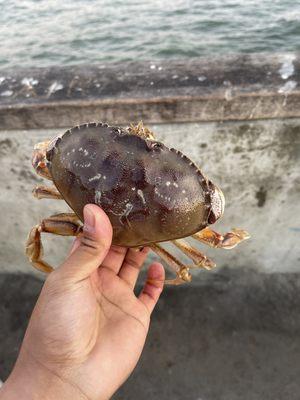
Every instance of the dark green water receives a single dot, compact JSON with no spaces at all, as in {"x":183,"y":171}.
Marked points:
{"x":48,"y":32}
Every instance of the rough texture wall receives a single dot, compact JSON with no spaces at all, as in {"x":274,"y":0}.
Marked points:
{"x":257,"y":164}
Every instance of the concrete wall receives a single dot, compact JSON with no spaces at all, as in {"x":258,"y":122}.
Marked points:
{"x":192,"y":106}
{"x":257,"y":164}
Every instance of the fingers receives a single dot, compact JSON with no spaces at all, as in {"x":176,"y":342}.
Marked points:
{"x":153,"y":286}
{"x":114,"y":258}
{"x":132,"y":265}
{"x":75,"y":245}
{"x":93,"y":246}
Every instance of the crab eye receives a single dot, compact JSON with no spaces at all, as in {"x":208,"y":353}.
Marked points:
{"x":153,"y":145}
{"x":52,"y":147}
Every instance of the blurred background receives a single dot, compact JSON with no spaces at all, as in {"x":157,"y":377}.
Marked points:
{"x":44,"y":33}
{"x":218,"y":80}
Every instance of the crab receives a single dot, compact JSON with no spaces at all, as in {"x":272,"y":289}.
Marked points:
{"x":151,"y":194}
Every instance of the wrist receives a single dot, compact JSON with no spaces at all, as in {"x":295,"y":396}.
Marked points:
{"x":31,"y":381}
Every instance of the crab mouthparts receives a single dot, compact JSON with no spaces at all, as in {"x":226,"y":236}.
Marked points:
{"x":217,"y":205}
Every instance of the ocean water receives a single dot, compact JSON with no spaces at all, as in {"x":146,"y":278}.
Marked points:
{"x":50,"y":32}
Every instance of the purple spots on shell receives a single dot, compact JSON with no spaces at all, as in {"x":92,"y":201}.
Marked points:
{"x":140,"y":182}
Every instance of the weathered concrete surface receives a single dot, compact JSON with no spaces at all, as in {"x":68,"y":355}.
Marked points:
{"x":256,"y":164}
{"x":236,"y":336}
{"x":237,"y":87}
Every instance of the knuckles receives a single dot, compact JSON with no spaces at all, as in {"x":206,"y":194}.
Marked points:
{"x":93,"y":245}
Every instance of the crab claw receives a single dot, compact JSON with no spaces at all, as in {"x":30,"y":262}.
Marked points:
{"x":226,"y":241}
{"x":39,"y":159}
{"x":234,"y":237}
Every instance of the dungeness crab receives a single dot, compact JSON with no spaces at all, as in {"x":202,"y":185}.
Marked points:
{"x":150,"y":192}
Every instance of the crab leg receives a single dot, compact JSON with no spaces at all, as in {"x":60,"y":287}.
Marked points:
{"x":65,"y":224}
{"x":215,"y":239}
{"x":46,"y":192}
{"x":201,"y":260}
{"x":181,"y":270}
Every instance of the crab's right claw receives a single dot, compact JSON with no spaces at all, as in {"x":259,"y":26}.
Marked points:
{"x":39,"y":160}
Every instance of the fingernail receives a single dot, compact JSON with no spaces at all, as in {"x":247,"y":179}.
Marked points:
{"x":89,"y":219}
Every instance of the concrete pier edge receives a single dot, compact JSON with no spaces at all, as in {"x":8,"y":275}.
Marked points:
{"x":236,"y":87}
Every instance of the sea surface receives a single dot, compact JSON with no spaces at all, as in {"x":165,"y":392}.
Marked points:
{"x":62,"y":32}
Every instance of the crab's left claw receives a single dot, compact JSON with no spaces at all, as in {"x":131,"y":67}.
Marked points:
{"x":234,"y":237}
{"x":226,"y":241}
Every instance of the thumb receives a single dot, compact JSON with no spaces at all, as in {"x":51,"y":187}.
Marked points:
{"x":94,"y":243}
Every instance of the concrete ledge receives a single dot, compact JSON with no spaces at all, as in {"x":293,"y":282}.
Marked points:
{"x":234,"y":337}
{"x":241,"y":87}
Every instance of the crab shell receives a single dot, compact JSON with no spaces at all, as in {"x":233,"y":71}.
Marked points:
{"x":151,"y":193}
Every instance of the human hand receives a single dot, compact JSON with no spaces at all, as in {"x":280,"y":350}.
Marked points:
{"x":88,"y":328}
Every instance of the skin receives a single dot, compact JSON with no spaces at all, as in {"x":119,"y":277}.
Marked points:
{"x":88,"y":328}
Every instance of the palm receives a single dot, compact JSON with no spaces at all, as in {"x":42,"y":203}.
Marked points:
{"x":91,"y":320}
{"x":88,"y":328}
{"x":113,"y":316}
{"x":122,"y":323}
